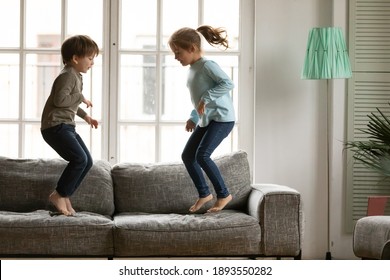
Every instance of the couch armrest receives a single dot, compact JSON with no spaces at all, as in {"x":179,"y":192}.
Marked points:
{"x":386,"y":251}
{"x":370,"y":237}
{"x":279,"y":212}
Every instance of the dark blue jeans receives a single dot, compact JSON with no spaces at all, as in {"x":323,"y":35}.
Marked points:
{"x":68,"y":144}
{"x":196,"y":156}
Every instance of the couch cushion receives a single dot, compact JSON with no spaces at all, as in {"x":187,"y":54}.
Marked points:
{"x":27,"y":183}
{"x":37,"y":233}
{"x":167,"y":187}
{"x":226,"y":233}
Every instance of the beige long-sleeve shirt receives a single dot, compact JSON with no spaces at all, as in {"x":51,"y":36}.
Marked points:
{"x":65,"y":97}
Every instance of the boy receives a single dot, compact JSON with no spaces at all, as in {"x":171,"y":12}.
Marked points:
{"x":58,"y":119}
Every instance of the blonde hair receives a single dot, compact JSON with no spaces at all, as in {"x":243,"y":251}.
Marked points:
{"x":187,"y":37}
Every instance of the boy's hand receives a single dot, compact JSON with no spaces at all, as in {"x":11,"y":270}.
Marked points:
{"x":92,"y":122}
{"x":89,"y":103}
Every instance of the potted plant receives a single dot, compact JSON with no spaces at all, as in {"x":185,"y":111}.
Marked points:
{"x":375,"y":154}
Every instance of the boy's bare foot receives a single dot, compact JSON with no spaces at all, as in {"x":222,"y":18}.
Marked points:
{"x":200,"y":202}
{"x":220,"y":204}
{"x":69,"y":206}
{"x":59,"y":202}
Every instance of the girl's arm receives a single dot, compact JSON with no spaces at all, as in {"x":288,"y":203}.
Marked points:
{"x":194,"y":117}
{"x":223,"y":83}
{"x":192,"y":121}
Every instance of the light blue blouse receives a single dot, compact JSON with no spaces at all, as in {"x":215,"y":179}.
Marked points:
{"x":208,"y":82}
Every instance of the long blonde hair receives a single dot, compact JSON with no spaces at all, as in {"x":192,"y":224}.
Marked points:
{"x":187,"y":37}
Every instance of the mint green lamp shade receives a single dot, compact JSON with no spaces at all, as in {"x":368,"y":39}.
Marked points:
{"x":326,"y":55}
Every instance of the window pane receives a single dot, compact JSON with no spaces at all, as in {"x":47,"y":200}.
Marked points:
{"x":9,"y":140}
{"x":228,"y":144}
{"x":138,"y":24}
{"x":9,"y":20}
{"x":137,"y":87}
{"x":9,"y":86}
{"x":176,"y":100}
{"x":41,"y":70}
{"x":86,"y":18}
{"x":228,"y":19}
{"x":173,"y":20}
{"x":171,"y":151}
{"x":43,"y":31}
{"x":91,"y":137}
{"x":137,"y":143}
{"x":93,"y":88}
{"x":34,"y":145}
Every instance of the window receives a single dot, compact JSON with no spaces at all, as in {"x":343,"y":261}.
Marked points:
{"x":137,"y":88}
{"x":369,"y":88}
{"x":30,"y":61}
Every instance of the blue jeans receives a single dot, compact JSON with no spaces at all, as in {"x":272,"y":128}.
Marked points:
{"x":68,"y":144}
{"x":196,"y":156}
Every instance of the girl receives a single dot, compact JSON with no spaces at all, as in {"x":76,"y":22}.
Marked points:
{"x":213,"y":117}
{"x":58,"y":124}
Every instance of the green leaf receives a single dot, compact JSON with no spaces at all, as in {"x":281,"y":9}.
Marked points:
{"x":375,"y":152}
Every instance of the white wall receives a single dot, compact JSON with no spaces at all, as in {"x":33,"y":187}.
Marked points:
{"x":291,"y":118}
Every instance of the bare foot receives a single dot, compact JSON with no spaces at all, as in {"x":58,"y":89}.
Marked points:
{"x":69,"y":206}
{"x":200,"y":202}
{"x":59,"y":202}
{"x":220,"y":204}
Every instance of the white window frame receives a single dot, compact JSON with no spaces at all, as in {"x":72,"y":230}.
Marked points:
{"x":246,"y":78}
{"x":109,"y":121}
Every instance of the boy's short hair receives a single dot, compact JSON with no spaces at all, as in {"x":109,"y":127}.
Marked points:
{"x":79,"y":45}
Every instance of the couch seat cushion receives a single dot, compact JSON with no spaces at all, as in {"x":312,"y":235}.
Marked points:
{"x":226,"y":233}
{"x":37,"y":233}
{"x":167,"y":187}
{"x":27,"y":183}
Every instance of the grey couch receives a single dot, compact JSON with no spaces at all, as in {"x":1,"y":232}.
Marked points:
{"x":141,"y":210}
{"x":371,"y":238}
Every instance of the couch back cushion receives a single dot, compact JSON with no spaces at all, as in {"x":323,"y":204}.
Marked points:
{"x":25,"y":185}
{"x":167,"y":187}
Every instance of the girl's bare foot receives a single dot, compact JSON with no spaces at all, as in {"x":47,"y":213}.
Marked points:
{"x":69,"y":206}
{"x":220,"y":204}
{"x":200,"y":202}
{"x":59,"y":202}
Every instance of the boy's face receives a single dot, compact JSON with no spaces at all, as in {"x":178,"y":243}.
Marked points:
{"x":84,"y":63}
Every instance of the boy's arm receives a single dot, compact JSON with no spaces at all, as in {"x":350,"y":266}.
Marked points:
{"x":63,"y":87}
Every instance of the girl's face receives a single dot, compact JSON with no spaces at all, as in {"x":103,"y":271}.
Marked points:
{"x":185,"y":57}
{"x":84,"y":63}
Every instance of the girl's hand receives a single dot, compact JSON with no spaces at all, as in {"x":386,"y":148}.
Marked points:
{"x":89,"y":103}
{"x":200,"y":108}
{"x":190,"y":126}
{"x":92,"y":122}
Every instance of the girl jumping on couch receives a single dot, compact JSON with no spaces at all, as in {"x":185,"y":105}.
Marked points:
{"x":213,"y":116}
{"x":58,"y":119}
